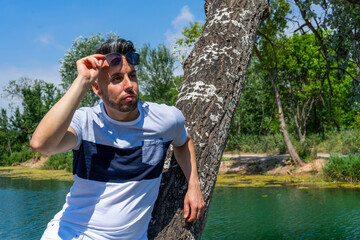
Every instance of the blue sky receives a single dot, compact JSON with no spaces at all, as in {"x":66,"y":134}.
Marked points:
{"x":35,"y":35}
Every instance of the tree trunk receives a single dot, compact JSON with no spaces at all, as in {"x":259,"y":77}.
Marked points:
{"x":213,"y":77}
{"x":293,"y":154}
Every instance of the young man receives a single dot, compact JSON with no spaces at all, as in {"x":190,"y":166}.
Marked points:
{"x":119,"y":149}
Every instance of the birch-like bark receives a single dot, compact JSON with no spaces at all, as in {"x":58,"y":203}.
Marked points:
{"x":213,"y":77}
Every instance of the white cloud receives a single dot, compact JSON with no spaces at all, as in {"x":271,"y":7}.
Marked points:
{"x":48,"y":40}
{"x":183,"y":18}
{"x":179,"y":23}
{"x":172,"y":35}
{"x":48,"y":73}
{"x":44,"y":39}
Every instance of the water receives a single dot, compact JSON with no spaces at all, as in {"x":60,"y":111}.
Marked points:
{"x":27,"y":206}
{"x":283,"y":213}
{"x":235,"y":213}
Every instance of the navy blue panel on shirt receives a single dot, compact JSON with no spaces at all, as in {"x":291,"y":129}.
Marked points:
{"x":110,"y":164}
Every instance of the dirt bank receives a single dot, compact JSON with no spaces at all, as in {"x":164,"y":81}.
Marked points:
{"x":268,"y":164}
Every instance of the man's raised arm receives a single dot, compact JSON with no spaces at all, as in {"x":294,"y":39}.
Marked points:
{"x":193,"y":202}
{"x":53,"y":134}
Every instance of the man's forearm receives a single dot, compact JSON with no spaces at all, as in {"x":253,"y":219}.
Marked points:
{"x":193,"y":202}
{"x":55,"y":123}
{"x":185,"y":156}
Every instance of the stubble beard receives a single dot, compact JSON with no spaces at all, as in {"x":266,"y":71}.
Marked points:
{"x":131,"y":106}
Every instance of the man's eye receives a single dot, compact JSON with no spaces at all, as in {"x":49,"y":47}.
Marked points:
{"x":117,"y":79}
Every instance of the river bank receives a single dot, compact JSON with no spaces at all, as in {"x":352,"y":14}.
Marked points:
{"x":279,"y":164}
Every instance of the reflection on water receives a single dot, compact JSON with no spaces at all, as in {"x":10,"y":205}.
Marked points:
{"x":235,"y":213}
{"x":27,"y":206}
{"x":283,"y":213}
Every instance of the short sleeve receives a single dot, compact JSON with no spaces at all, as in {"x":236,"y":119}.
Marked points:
{"x":76,"y":125}
{"x":180,"y":136}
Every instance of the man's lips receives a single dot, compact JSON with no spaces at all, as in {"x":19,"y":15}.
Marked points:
{"x":129,"y":97}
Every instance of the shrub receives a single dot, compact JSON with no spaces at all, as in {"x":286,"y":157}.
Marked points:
{"x":18,"y":157}
{"x":256,"y":144}
{"x":60,"y":161}
{"x":344,"y":141}
{"x":343,"y":169}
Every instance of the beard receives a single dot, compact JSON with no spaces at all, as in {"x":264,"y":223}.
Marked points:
{"x":123,"y":107}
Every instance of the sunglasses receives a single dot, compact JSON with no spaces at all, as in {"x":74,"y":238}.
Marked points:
{"x":115,"y":59}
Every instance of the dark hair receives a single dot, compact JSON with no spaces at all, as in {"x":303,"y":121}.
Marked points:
{"x":120,"y":45}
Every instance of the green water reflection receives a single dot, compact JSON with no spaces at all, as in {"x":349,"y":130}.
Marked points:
{"x":235,"y":213}
{"x":283,"y":213}
{"x":27,"y":206}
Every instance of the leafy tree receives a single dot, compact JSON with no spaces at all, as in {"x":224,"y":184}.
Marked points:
{"x":300,"y":67}
{"x":256,"y":108}
{"x":5,"y":138}
{"x":36,"y":97}
{"x":81,"y":47}
{"x":335,"y":26}
{"x":156,"y":75}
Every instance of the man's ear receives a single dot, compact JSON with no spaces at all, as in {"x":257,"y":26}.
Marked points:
{"x":95,"y":87}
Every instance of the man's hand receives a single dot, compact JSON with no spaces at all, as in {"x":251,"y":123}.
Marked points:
{"x":53,"y":134}
{"x":88,"y":67}
{"x":193,"y":204}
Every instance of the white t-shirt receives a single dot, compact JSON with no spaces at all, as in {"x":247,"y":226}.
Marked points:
{"x":117,"y":171}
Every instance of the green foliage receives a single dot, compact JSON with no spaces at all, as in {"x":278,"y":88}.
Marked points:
{"x":343,"y":169}
{"x":81,"y":47}
{"x":17,"y":157}
{"x":36,"y":97}
{"x":341,"y":142}
{"x":60,"y":161}
{"x":256,"y":109}
{"x":156,"y":75}
{"x":272,"y":144}
{"x":182,"y":45}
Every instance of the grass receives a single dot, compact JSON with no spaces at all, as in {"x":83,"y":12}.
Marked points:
{"x":299,"y":182}
{"x":343,"y":169}
{"x":60,"y":161}
{"x":35,"y":173}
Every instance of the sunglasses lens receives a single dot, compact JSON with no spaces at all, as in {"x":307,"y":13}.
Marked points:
{"x":113,"y":59}
{"x":133,"y":58}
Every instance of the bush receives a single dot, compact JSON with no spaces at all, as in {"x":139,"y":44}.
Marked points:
{"x":343,"y":169}
{"x":307,"y":149}
{"x":342,"y":142}
{"x":60,"y":161}
{"x":256,"y":144}
{"x":18,"y":157}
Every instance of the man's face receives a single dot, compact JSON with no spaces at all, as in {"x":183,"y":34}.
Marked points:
{"x":118,"y":86}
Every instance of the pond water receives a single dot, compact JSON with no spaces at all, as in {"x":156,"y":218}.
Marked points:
{"x":283,"y":213}
{"x":235,"y":213}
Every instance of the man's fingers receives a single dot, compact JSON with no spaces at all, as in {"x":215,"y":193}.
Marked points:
{"x":94,"y":61}
{"x":186,"y":210}
{"x":199,"y":213}
{"x":193,"y":214}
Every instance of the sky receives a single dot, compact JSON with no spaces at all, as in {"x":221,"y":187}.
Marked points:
{"x":36,"y":34}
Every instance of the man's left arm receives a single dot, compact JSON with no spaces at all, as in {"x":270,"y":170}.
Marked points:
{"x":193,"y":202}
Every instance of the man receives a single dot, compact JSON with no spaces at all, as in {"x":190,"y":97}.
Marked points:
{"x":119,"y":149}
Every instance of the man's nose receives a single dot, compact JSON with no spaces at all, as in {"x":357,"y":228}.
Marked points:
{"x":127,"y":82}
